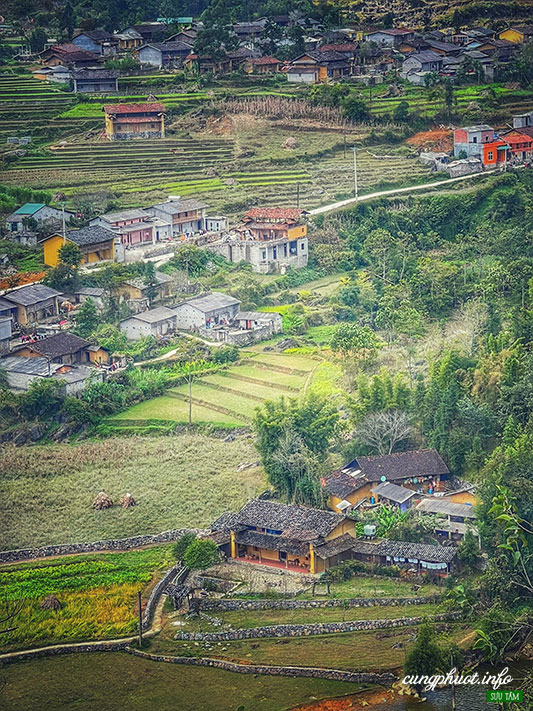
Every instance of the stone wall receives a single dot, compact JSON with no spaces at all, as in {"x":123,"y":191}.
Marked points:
{"x":309,"y":630}
{"x":313,"y":672}
{"x":74,"y":648}
{"x":289,"y":604}
{"x":178,"y":572}
{"x":117,"y":544}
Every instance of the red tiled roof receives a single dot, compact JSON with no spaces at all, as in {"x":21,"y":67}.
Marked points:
{"x":518,"y":136}
{"x":345,"y":47}
{"x":274,"y":213}
{"x":133,"y":108}
{"x":264,"y":60}
{"x":135,"y":119}
{"x":525,"y":130}
{"x":72,"y":51}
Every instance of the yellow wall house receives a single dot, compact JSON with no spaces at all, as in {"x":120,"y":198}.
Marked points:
{"x":297,"y":538}
{"x":127,"y":121}
{"x":517,"y":34}
{"x":96,"y":243}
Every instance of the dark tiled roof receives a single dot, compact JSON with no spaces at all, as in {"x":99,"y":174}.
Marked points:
{"x":448,"y":508}
{"x":421,"y":551}
{"x":403,"y":465}
{"x":337,"y":545}
{"x":327,"y":56}
{"x":276,"y":543}
{"x":96,"y":74}
{"x":426,"y":56}
{"x":32,"y":294}
{"x":298,"y":522}
{"x":169,"y":47}
{"x":345,"y":481}
{"x":60,"y":344}
{"x":210,"y":302}
{"x":90,"y":235}
{"x":224,"y":522}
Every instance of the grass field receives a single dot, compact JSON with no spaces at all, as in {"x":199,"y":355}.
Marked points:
{"x":97,"y":593}
{"x":229,"y":397}
{"x":46,"y":492}
{"x":109,"y":681}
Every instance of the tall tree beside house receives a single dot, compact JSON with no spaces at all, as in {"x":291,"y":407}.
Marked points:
{"x":217,"y":36}
{"x":87,"y":319}
{"x":37,"y":40}
{"x":65,"y":275}
{"x":200,"y":554}
{"x":150,"y":280}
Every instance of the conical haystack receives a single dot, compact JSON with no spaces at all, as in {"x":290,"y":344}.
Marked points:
{"x":102,"y":501}
{"x":50,"y":603}
{"x":126,"y":501}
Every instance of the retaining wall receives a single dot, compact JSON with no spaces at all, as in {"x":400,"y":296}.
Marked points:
{"x":117,"y":544}
{"x":313,"y":672}
{"x":74,"y":648}
{"x":288,"y":604}
{"x":309,"y":630}
{"x":177,"y":571}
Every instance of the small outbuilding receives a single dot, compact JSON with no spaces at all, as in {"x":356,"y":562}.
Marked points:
{"x":156,"y":322}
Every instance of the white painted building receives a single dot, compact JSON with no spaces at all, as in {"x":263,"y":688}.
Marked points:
{"x":155,"y":322}
{"x":207,"y":311}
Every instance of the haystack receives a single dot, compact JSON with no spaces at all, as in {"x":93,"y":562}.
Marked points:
{"x":126,"y":501}
{"x":50,"y":603}
{"x":102,"y":501}
{"x":290,"y":143}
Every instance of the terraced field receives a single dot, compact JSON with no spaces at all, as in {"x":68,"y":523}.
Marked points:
{"x":227,"y":398}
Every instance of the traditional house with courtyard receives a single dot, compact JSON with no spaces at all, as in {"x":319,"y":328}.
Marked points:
{"x":126,"y":121}
{"x":318,"y":66}
{"x":64,"y":347}
{"x":155,"y":322}
{"x":271,"y":239}
{"x":132,"y":227}
{"x":33,"y":303}
{"x":69,"y":55}
{"x":351,"y":485}
{"x":393,"y":495}
{"x":96,"y":244}
{"x":297,"y":538}
{"x":262,"y":65}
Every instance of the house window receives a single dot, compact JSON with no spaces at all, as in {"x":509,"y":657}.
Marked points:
{"x":302,"y":246}
{"x":489,"y":155}
{"x":474,"y":139}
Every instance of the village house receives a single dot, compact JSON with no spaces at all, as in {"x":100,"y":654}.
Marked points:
{"x":186,"y":215}
{"x":6,"y":324}
{"x":262,"y":65}
{"x":129,"y":39}
{"x":390,"y":38}
{"x":348,"y":49}
{"x":207,"y":65}
{"x":452,"y":520}
{"x":64,"y":347}
{"x":68,"y":55}
{"x":271,"y":239}
{"x":420,"y":557}
{"x":33,"y":303}
{"x":126,"y":121}
{"x":96,"y":294}
{"x":297,"y":538}
{"x":523,"y":120}
{"x":92,"y":81}
{"x":155,"y":322}
{"x":150,"y":31}
{"x":96,"y":244}
{"x":42,"y":214}
{"x":389,"y":494}
{"x":97,"y":41}
{"x":137,"y":289}
{"x":351,"y":485}
{"x":249,"y":320}
{"x":473,"y":139}
{"x":520,"y":145}
{"x":132,"y":227}
{"x":445,"y":49}
{"x":517,"y":35}
{"x":164,"y":54}
{"x":58,"y":74}
{"x":318,"y":66}
{"x":426,"y":61}
{"x":206,"y":311}
{"x":22,"y":371}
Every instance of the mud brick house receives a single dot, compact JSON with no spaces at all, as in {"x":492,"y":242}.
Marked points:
{"x":92,"y":81}
{"x":68,"y":55}
{"x":206,"y":311}
{"x":138,"y":289}
{"x":297,"y":538}
{"x":271,"y":239}
{"x":64,"y":347}
{"x":155,"y":322}
{"x":6,"y":324}
{"x":262,"y":65}
{"x":318,"y":66}
{"x":132,"y":227}
{"x":33,"y":303}
{"x":517,"y":35}
{"x":390,"y":38}
{"x":186,"y":215}
{"x":422,"y":557}
{"x":129,"y":39}
{"x":419,"y":470}
{"x":127,"y":121}
{"x":96,"y":245}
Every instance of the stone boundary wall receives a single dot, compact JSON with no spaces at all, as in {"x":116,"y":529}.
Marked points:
{"x":309,"y":630}
{"x":74,"y":648}
{"x":263,"y":669}
{"x":288,"y":604}
{"x":177,"y":570}
{"x":116,"y":544}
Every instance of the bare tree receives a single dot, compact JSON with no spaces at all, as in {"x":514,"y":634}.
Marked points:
{"x":9,"y":609}
{"x":383,"y":430}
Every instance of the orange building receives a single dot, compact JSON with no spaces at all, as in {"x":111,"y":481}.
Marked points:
{"x":494,"y":153}
{"x":96,"y":244}
{"x":126,"y":121}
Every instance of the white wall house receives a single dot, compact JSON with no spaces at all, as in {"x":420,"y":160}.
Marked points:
{"x":156,"y":322}
{"x":204,"y":312}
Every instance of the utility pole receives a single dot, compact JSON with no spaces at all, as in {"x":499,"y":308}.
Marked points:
{"x":63,"y":220}
{"x":344,"y":143}
{"x":140,"y":619}
{"x":297,"y":194}
{"x":355,"y":187}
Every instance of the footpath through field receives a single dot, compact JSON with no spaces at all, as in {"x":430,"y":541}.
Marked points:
{"x":384,"y":193}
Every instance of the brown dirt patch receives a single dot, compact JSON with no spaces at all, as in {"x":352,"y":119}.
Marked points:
{"x":437,"y":139}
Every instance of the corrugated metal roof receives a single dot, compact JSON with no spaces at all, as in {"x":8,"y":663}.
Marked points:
{"x":449,"y":508}
{"x":29,"y":208}
{"x":210,"y":302}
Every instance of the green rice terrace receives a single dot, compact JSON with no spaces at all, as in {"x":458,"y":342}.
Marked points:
{"x":227,"y":398}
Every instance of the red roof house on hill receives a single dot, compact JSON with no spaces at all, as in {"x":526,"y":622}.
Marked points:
{"x":68,"y":55}
{"x":274,"y":214}
{"x":125,"y":121}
